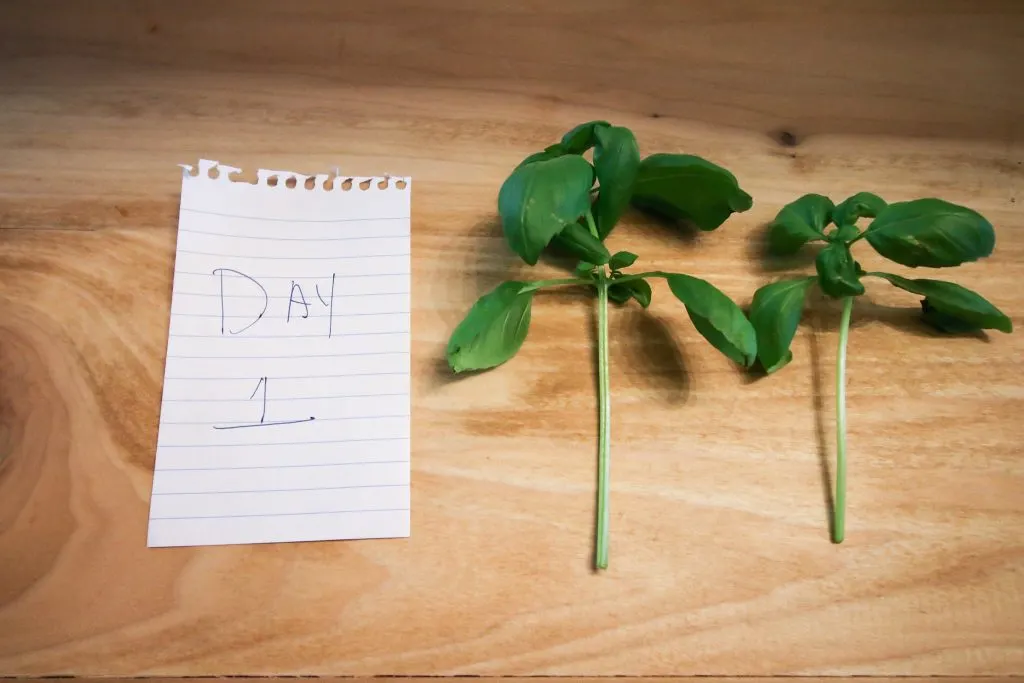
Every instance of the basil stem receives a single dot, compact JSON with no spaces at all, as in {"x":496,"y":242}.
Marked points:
{"x":604,"y":408}
{"x":540,"y":284}
{"x":604,"y":427}
{"x":839,"y":511}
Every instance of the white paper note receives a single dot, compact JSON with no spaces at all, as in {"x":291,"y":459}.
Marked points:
{"x":286,"y":411}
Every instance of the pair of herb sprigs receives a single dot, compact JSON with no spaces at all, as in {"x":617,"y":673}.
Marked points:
{"x":549,"y":200}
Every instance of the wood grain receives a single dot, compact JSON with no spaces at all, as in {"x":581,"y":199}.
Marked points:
{"x":720,"y":559}
{"x":559,"y":679}
{"x":562,"y":679}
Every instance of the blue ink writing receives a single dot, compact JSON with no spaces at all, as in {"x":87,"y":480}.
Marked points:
{"x":263,"y":415}
{"x":291,"y":300}
{"x":266,"y":299}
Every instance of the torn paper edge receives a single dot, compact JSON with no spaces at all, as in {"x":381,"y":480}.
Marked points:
{"x":335,"y":181}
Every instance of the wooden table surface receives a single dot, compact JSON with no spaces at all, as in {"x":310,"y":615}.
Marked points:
{"x":720,"y":561}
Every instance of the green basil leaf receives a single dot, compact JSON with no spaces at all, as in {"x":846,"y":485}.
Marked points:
{"x":622,"y":259}
{"x":844,"y":234}
{"x":581,"y":138}
{"x":616,"y":161}
{"x":943,"y":322}
{"x":775,"y":314}
{"x":799,"y":222}
{"x":584,"y":268}
{"x":682,"y":186}
{"x":837,"y":271}
{"x":641,"y":291}
{"x":493,"y":330}
{"x":860,"y":205}
{"x":540,"y":199}
{"x":949,"y":300}
{"x":716,"y":317}
{"x":931,"y":233}
{"x":577,"y":240}
{"x":621,"y":292}
{"x":550,"y":152}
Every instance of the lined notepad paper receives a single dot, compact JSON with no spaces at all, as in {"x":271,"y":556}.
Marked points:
{"x":286,"y":411}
